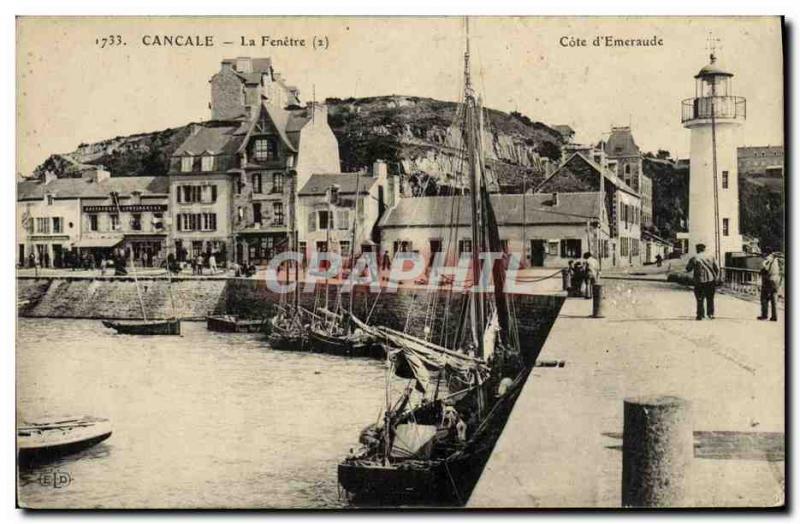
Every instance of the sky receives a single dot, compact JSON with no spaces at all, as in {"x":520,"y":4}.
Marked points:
{"x":72,"y":91}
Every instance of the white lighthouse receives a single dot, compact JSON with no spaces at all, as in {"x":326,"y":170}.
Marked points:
{"x":714,"y":116}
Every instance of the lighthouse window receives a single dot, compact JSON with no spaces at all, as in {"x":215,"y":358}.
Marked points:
{"x":724,"y":180}
{"x":725,"y":227}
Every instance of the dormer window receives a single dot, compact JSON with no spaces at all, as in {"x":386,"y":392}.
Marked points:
{"x":187,"y":163}
{"x":207,"y":163}
{"x":265,"y":149}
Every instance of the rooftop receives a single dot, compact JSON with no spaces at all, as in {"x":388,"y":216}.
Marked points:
{"x":438,"y":211}
{"x":89,"y":188}
{"x":712,"y":69}
{"x":211,"y":138}
{"x":621,"y":143}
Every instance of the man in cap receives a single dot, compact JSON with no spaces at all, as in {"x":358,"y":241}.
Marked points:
{"x":705,"y":271}
{"x":771,"y":280}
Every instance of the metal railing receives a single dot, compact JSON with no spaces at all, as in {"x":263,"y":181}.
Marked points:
{"x":724,"y":107}
{"x":740,"y":280}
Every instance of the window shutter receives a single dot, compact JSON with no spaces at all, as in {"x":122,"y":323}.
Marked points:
{"x":213,"y":193}
{"x":312,"y":222}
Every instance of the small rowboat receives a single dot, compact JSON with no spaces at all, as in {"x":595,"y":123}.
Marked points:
{"x":233,"y":324}
{"x":144,"y":327}
{"x":44,"y":440}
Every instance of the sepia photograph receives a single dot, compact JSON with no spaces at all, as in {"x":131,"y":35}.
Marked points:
{"x":345,"y":263}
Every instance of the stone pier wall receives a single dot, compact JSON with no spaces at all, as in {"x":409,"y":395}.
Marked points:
{"x":194,"y":299}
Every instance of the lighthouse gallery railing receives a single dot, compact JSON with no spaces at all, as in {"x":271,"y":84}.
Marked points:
{"x":728,"y":107}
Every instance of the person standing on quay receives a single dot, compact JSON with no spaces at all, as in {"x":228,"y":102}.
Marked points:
{"x":706,"y":274}
{"x":592,"y":268}
{"x":212,"y":262}
{"x":771,"y":280}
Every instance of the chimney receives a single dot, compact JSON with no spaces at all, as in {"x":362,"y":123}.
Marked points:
{"x":101,"y":175}
{"x":379,"y":169}
{"x":554,"y":201}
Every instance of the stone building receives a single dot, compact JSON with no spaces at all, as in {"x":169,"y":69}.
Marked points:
{"x":543,"y":230}
{"x":234,"y":180}
{"x":200,"y":188}
{"x":48,"y":221}
{"x":581,"y":174}
{"x":243,"y":84}
{"x":330,"y":205}
{"x":92,"y":216}
{"x":280,"y":151}
{"x":624,"y":157}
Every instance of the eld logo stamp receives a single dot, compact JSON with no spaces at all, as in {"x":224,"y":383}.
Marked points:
{"x":55,"y":478}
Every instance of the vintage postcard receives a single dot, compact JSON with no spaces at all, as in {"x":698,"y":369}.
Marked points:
{"x":375,"y":262}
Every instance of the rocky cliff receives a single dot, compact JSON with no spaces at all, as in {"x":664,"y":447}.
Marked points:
{"x":413,"y":135}
{"x":417,"y":136}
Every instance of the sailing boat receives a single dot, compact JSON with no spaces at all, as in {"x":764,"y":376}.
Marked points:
{"x":337,"y":331}
{"x":431,"y":442}
{"x":287,"y":327}
{"x":144,"y":326}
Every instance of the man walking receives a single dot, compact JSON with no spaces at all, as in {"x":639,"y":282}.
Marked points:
{"x":706,"y":274}
{"x":771,"y":280}
{"x":592,"y":268}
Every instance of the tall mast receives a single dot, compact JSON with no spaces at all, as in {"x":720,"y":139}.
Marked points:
{"x":473,"y":159}
{"x":293,"y":238}
{"x":328,"y":241}
{"x":115,"y":201}
{"x":353,"y":245}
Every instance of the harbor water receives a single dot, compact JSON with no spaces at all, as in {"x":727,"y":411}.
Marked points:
{"x":204,"y":420}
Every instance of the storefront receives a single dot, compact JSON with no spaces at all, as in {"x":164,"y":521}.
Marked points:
{"x":50,"y":251}
{"x":146,"y":250}
{"x":92,"y":251}
{"x":259,"y":248}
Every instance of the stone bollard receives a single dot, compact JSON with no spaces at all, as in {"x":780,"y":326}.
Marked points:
{"x":597,"y":301}
{"x":657,"y":451}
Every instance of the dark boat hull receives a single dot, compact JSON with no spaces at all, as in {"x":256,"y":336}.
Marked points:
{"x":155,"y":327}
{"x":233,"y":325}
{"x":289,"y":341}
{"x":46,"y":453}
{"x":344,"y":346}
{"x":445,"y":482}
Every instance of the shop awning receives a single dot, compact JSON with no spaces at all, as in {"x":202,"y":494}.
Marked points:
{"x":98,"y":242}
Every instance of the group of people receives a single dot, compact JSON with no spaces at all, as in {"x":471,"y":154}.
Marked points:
{"x":707,"y":276}
{"x":205,"y":260}
{"x":581,"y":275}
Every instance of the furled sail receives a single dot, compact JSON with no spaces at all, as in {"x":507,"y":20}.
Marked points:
{"x":499,"y":268}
